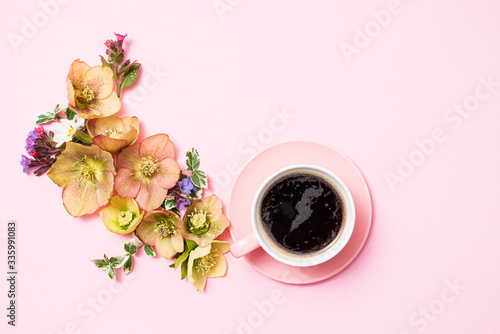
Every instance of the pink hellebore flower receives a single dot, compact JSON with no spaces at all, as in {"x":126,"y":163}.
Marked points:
{"x":161,"y":229}
{"x":146,"y":170}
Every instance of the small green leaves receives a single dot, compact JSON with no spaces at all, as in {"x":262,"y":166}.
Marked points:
{"x":70,"y":114}
{"x":199,"y":179}
{"x":101,"y":264}
{"x":130,"y":75}
{"x":181,"y":259}
{"x":110,"y":271}
{"x":176,"y":211}
{"x":197,"y":194}
{"x":149,"y":250}
{"x":193,"y":160}
{"x":130,"y":247}
{"x":127,"y":267}
{"x":109,"y":264}
{"x":118,"y":261}
{"x":169,"y":204}
{"x":191,"y":245}
{"x":48,"y":116}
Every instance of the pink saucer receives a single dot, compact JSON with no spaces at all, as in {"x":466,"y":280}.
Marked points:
{"x":277,"y":157}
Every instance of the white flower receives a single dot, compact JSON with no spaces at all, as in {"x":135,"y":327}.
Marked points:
{"x":66,"y":129}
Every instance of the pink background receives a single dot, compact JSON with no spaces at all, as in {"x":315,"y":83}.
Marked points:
{"x":217,"y":80}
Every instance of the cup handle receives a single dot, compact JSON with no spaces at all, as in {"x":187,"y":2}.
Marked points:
{"x":244,"y":246}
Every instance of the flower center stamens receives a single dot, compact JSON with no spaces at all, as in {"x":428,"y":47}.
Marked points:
{"x":87,"y":173}
{"x":198,"y":222}
{"x":205,"y":263}
{"x":125,"y":218}
{"x":148,"y":166}
{"x":113,"y":133}
{"x":165,"y":228}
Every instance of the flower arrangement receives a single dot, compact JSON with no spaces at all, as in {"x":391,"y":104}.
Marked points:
{"x":137,"y":186}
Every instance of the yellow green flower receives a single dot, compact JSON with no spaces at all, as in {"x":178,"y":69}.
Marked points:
{"x":112,"y":133}
{"x":91,"y":91}
{"x":204,"y":221}
{"x":162,"y":229}
{"x":122,"y":216}
{"x":87,"y":175}
{"x":206,"y":262}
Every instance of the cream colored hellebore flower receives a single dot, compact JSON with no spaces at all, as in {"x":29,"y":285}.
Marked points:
{"x":206,"y":262}
{"x":91,"y":91}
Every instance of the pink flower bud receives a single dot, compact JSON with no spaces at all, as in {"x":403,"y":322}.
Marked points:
{"x":108,"y":43}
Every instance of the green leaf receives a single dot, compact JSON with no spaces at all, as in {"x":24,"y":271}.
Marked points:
{"x":184,"y":270}
{"x":125,"y":67}
{"x":104,"y":62}
{"x":181,"y":259}
{"x":197,"y":194}
{"x":106,"y":258}
{"x":169,"y":204}
{"x":100,"y":263}
{"x":118,"y":261}
{"x":127,"y":267}
{"x":83,"y":137}
{"x":137,"y":239}
{"x":149,"y":250}
{"x":199,"y":179}
{"x":70,"y":114}
{"x":172,"y":265}
{"x":130,"y":247}
{"x":131,"y":75}
{"x":191,"y":245}
{"x":176,"y":211}
{"x":47,"y":117}
{"x":193,"y":160}
{"x":110,"y":271}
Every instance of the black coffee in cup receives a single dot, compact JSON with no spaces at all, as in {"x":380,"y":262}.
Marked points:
{"x":302,"y":212}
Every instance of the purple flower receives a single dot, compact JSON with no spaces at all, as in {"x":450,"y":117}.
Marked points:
{"x":186,"y":186}
{"x":181,"y":203}
{"x":25,"y":162}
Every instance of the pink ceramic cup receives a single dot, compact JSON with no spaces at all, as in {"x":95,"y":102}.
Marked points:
{"x":259,"y":239}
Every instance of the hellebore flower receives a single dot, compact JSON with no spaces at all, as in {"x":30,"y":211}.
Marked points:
{"x":186,"y":185}
{"x":162,"y":229}
{"x":206,"y":262}
{"x":87,"y":175}
{"x":122,"y":216}
{"x":204,"y":221}
{"x":112,"y":133}
{"x":146,"y":171}
{"x":91,"y":90}
{"x":66,"y":129}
